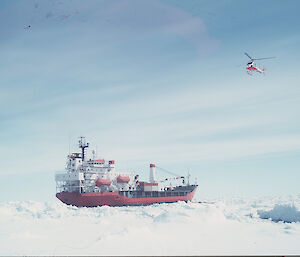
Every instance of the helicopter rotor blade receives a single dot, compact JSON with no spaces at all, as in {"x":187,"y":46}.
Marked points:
{"x":264,"y":58}
{"x":249,"y":56}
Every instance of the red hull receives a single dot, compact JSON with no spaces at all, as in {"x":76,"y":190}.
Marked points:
{"x":114,"y":199}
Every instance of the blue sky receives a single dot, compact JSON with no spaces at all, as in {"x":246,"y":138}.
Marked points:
{"x":151,"y":81}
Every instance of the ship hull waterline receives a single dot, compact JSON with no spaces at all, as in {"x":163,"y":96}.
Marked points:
{"x":114,"y":199}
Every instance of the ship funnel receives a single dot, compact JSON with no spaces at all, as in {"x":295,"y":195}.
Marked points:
{"x":152,"y":173}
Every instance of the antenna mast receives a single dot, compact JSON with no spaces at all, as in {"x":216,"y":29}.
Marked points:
{"x":82,"y":145}
{"x":69,"y":144}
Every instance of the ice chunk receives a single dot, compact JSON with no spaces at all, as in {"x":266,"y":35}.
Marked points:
{"x":286,"y":213}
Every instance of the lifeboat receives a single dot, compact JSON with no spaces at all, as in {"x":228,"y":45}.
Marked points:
{"x":123,"y":179}
{"x":103,"y":182}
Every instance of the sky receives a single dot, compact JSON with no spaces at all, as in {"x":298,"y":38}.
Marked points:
{"x":155,"y":81}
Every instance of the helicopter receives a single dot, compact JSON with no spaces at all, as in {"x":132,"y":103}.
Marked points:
{"x":251,"y":66}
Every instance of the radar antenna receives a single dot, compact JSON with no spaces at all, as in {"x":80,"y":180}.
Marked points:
{"x":82,"y":145}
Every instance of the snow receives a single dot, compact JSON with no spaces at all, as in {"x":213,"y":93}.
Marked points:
{"x":285,"y":213}
{"x":236,"y":226}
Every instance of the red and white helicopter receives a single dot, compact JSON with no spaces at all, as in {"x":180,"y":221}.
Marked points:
{"x":251,"y":66}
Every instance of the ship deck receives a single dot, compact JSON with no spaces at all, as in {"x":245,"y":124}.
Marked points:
{"x":178,"y":191}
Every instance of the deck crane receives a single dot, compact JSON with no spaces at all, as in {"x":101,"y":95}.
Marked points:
{"x":176,"y":176}
{"x":173,"y":178}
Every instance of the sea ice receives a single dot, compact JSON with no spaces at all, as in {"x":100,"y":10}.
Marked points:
{"x":285,"y":213}
{"x":213,"y":227}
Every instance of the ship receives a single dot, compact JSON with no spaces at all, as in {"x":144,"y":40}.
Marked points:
{"x":91,"y":182}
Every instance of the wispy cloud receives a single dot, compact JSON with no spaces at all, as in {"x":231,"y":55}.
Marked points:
{"x":193,"y":124}
{"x":155,"y":17}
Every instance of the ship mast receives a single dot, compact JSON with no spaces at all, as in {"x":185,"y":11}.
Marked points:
{"x":82,"y":145}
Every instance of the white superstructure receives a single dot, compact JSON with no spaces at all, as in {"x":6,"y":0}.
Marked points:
{"x":90,"y":175}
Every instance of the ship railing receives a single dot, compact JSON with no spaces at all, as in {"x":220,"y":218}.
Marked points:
{"x":76,"y":188}
{"x":142,"y":194}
